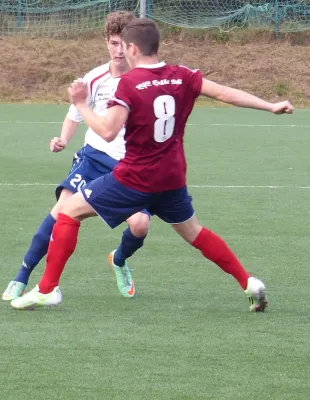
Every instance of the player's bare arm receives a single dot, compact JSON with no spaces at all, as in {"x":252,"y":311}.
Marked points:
{"x":58,"y":144}
{"x":240,"y":98}
{"x":108,"y":126}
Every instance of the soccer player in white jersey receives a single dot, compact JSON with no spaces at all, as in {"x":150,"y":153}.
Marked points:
{"x":95,"y":159}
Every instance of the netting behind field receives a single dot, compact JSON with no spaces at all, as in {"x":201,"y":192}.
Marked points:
{"x":284,"y":15}
{"x":58,"y":17}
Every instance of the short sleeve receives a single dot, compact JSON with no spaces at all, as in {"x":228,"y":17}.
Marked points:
{"x":73,"y":112}
{"x":194,"y":79}
{"x":122,"y":95}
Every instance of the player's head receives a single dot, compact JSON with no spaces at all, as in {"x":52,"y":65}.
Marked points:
{"x":114,"y":24}
{"x":140,"y":39}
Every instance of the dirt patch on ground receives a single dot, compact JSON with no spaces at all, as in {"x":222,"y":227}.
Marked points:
{"x":39,"y":70}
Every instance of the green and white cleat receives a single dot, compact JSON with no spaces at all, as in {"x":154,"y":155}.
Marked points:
{"x":124,"y":279}
{"x":256,"y":293}
{"x":13,"y":291}
{"x":34,"y":299}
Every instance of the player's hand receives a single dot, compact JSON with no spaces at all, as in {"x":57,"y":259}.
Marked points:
{"x":284,"y":107}
{"x":57,"y":145}
{"x":78,"y":92}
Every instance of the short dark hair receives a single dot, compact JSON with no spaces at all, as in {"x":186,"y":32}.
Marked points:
{"x":144,"y":34}
{"x":116,"y":21}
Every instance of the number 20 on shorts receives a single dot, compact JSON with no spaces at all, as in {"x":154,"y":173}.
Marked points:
{"x":77,"y":182}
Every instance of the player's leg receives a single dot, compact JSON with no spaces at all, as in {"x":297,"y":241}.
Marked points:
{"x":133,"y":237}
{"x":215,"y":249}
{"x":177,"y":210}
{"x":132,"y":240}
{"x":77,"y":177}
{"x":36,"y":251}
{"x":62,"y":244}
{"x":103,"y":196}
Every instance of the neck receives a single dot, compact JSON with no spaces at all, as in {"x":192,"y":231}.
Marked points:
{"x":118,"y":71}
{"x":147,"y":60}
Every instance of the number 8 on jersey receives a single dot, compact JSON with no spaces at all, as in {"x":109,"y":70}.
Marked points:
{"x":164,"y":110}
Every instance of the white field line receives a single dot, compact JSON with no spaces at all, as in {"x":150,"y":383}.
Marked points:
{"x":232,"y":125}
{"x":30,"y":122}
{"x":190,"y":186}
{"x":248,"y":187}
{"x":254,"y":125}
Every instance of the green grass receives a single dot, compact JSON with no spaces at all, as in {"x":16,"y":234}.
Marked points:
{"x":188,"y":334}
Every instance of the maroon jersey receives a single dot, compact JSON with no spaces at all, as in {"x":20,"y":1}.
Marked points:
{"x":160,"y":98}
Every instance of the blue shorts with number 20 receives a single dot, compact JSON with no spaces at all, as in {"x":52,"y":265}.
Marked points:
{"x":88,"y":164}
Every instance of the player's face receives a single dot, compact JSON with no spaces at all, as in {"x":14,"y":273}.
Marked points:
{"x":115,"y":48}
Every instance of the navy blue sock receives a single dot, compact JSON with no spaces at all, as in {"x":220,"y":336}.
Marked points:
{"x":129,"y":245}
{"x":37,"y":249}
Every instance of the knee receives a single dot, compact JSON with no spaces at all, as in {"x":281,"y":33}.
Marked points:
{"x":60,"y":206}
{"x":63,"y":207}
{"x":139,"y":224}
{"x":75,"y":207}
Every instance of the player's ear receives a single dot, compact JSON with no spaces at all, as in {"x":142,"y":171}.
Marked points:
{"x":134,"y":49}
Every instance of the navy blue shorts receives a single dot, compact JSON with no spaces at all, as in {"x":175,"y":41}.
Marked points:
{"x":88,"y":164}
{"x":114,"y":202}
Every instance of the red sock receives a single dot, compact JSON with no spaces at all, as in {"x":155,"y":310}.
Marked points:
{"x":216,"y":250}
{"x":62,"y":245}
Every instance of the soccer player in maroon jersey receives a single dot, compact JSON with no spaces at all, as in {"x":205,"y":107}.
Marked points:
{"x":154,"y":101}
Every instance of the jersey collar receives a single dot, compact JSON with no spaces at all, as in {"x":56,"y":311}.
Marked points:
{"x":151,"y":66}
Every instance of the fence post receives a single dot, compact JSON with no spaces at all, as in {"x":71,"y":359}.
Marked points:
{"x":19,"y":15}
{"x":149,"y":8}
{"x":142,"y":8}
{"x":277,"y":18}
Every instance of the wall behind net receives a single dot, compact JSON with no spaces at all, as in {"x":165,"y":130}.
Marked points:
{"x":61,"y":17}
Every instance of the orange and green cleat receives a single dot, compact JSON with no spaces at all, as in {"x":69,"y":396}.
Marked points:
{"x":124,"y":279}
{"x":13,"y":291}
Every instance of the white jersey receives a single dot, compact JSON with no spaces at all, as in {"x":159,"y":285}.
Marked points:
{"x":101,"y":88}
